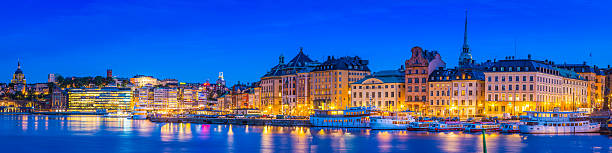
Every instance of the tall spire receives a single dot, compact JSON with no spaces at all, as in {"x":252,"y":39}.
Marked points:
{"x":18,"y":64}
{"x":465,"y":58}
{"x":465,"y":44}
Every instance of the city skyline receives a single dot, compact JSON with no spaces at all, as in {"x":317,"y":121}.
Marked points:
{"x":180,"y":50}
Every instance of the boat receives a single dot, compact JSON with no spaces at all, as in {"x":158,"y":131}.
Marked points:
{"x":354,"y":117}
{"x":482,"y":126}
{"x":610,"y":125}
{"x":117,"y":114}
{"x":396,"y":121}
{"x":510,"y":127}
{"x":419,"y":126}
{"x":139,"y":113}
{"x":557,"y":122}
{"x":446,"y":126}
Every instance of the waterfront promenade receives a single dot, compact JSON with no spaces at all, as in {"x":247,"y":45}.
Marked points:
{"x":95,"y":134}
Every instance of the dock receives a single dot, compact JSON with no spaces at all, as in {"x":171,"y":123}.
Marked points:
{"x":235,"y":121}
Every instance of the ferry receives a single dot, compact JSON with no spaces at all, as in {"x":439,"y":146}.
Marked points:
{"x":400,"y":121}
{"x":419,"y":126}
{"x":511,"y":127}
{"x":354,"y":117}
{"x":139,"y":113}
{"x":446,"y":126}
{"x":117,"y":114}
{"x":482,"y":126}
{"x":557,"y":122}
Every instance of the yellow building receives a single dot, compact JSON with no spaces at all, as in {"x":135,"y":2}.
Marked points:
{"x":89,"y":99}
{"x":330,"y":81}
{"x":456,"y":93}
{"x":383,"y":90}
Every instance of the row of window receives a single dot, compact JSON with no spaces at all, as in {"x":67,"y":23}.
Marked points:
{"x":373,"y":95}
{"x":455,"y":102}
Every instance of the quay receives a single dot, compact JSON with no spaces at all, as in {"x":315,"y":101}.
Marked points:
{"x":236,"y":121}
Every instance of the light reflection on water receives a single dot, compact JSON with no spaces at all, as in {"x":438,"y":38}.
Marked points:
{"x":97,"y":134}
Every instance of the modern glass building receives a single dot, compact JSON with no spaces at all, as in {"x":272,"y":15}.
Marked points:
{"x":93,"y":99}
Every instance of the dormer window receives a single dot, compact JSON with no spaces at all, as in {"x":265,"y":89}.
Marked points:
{"x":518,"y":68}
{"x":510,"y":69}
{"x":501,"y":69}
{"x":494,"y":69}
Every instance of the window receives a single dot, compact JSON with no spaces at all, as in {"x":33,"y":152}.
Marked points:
{"x":489,"y":79}
{"x":524,"y":78}
{"x":530,"y":78}
{"x":416,"y":80}
{"x":496,"y":78}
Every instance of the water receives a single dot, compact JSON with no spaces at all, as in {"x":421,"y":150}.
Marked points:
{"x":91,"y":134}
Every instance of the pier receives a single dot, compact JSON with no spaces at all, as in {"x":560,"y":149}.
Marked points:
{"x":236,"y":121}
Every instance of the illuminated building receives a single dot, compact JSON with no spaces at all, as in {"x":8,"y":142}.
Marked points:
{"x":51,"y":78}
{"x":330,"y":81}
{"x":286,"y":86}
{"x":143,"y":97}
{"x":58,"y":99}
{"x":142,"y":81}
{"x":418,"y":68}
{"x":90,"y":99}
{"x":18,"y":77}
{"x":514,"y":86}
{"x":188,"y":98}
{"x":596,"y":83}
{"x":109,"y":73}
{"x":165,"y":98}
{"x":383,"y":90}
{"x":455,"y":92}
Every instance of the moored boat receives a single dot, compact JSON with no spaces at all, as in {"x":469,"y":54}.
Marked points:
{"x":396,"y":121}
{"x":139,"y":113}
{"x":610,"y":125}
{"x":510,"y":127}
{"x":354,"y":117}
{"x":117,"y":114}
{"x":557,"y":122}
{"x":446,"y":126}
{"x":481,"y":126}
{"x":419,"y":126}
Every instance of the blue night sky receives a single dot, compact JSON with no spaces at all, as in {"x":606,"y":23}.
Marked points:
{"x":194,"y":40}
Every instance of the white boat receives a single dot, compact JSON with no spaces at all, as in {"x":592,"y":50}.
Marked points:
{"x":557,"y":122}
{"x":117,"y":114}
{"x":481,"y":126}
{"x":446,"y":126}
{"x":419,"y":126}
{"x":510,"y":127}
{"x":398,"y":122}
{"x":354,"y":117}
{"x":139,"y":113}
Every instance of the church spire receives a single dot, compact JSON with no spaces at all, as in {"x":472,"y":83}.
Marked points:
{"x":465,"y":58}
{"x":18,"y":64}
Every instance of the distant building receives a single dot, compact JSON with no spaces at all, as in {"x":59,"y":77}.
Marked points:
{"x":144,"y":81}
{"x":596,"y":85}
{"x":109,"y":73}
{"x":165,"y":98}
{"x":383,"y":90}
{"x":18,"y":77}
{"x":59,"y":100}
{"x":51,"y":78}
{"x":93,"y":99}
{"x":172,"y":83}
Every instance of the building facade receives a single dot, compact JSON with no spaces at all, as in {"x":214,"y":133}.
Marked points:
{"x":456,"y":93}
{"x":383,"y":90}
{"x":330,"y":81}
{"x":94,"y":99}
{"x":514,"y":86}
{"x":596,"y":83}
{"x":418,"y":68}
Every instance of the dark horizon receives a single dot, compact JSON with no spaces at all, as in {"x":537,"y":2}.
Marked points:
{"x":192,"y":41}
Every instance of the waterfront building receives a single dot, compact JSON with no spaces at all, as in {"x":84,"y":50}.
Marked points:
{"x":383,"y":90}
{"x":165,"y":98}
{"x":188,"y":98}
{"x":330,"y":81}
{"x":59,"y":100}
{"x":51,"y":78}
{"x":456,"y":92}
{"x":286,"y":86}
{"x":141,"y":81}
{"x":418,"y":68}
{"x":596,"y":83}
{"x":514,"y":86}
{"x":143,"y":97}
{"x":93,"y":99}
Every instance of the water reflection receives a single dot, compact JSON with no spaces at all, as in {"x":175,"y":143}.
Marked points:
{"x":145,"y":136}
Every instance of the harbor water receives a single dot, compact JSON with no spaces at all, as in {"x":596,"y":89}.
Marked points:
{"x":95,"y":134}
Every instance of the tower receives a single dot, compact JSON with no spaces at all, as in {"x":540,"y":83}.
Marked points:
{"x":109,"y":73}
{"x":281,"y":59}
{"x":18,"y":77}
{"x":465,"y":58}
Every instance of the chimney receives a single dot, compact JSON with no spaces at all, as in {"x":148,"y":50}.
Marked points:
{"x":584,"y":63}
{"x":529,"y":56}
